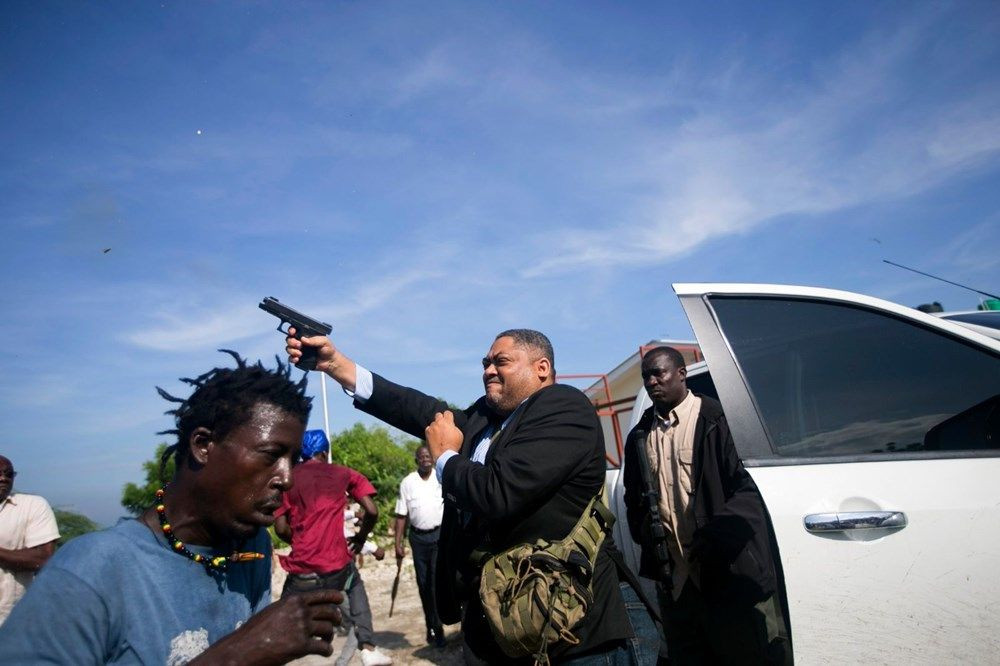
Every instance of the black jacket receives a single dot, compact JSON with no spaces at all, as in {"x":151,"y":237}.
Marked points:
{"x":732,"y":534}
{"x":540,"y":473}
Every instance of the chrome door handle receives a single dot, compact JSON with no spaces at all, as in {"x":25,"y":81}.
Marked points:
{"x":854,"y":520}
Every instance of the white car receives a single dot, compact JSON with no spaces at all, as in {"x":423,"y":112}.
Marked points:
{"x":986,"y":322}
{"x":873,"y":433}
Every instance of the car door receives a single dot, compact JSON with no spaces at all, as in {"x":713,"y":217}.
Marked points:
{"x":873,"y":433}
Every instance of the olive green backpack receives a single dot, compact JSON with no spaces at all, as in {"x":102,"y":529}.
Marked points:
{"x":534,"y":594}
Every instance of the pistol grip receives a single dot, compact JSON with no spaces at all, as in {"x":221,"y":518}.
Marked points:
{"x":308,"y":359}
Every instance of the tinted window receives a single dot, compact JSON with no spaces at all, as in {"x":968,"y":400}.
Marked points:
{"x":840,"y":380}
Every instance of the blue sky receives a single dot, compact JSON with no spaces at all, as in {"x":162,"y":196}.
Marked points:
{"x":422,"y":176}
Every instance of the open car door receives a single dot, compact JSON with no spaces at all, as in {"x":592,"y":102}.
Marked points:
{"x":873,"y":433}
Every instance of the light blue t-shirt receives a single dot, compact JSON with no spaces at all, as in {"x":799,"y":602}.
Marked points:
{"x":122,"y":596}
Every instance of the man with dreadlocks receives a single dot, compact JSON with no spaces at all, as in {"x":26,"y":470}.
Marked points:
{"x":189,"y":579}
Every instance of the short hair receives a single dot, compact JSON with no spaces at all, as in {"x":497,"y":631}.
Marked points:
{"x":224,"y":397}
{"x":675,"y":356}
{"x":527,"y":337}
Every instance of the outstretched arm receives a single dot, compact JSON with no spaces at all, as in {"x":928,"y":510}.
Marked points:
{"x":405,"y":408}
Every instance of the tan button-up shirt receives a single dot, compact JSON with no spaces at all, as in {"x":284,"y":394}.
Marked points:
{"x":670,"y":448}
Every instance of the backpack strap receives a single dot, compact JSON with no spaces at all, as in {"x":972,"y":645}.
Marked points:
{"x":594,"y":524}
{"x":580,"y":547}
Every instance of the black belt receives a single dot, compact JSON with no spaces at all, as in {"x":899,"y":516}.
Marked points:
{"x":417,"y":530}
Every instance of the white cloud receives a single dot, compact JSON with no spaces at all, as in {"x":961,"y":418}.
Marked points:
{"x":185,"y":328}
{"x":47,"y":390}
{"x":376,"y":293}
{"x":827,"y":145}
{"x":965,"y":252}
{"x":435,"y":70}
{"x":189,"y":327}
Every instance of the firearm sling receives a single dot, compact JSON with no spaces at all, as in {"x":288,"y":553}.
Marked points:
{"x":534,"y":594}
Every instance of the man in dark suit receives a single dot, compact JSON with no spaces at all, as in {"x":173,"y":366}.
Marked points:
{"x":520,"y":464}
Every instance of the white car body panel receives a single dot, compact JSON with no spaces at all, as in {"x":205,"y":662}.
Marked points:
{"x":926,"y":594}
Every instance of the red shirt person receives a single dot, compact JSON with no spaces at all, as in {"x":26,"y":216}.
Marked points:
{"x":311,"y":519}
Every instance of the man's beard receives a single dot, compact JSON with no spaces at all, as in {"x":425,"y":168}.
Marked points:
{"x":501,"y":406}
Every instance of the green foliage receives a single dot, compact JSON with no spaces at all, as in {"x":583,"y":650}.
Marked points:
{"x":382,"y":459}
{"x":72,"y":525}
{"x":137,"y":499}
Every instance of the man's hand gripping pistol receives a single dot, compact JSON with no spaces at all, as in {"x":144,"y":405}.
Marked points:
{"x":304,"y":326}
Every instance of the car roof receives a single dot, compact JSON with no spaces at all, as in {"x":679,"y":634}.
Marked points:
{"x":986,"y":322}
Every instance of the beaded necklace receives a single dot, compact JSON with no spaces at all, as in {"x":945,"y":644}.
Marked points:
{"x":211,"y":564}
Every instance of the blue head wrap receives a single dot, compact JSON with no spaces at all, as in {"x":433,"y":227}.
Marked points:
{"x":313,"y":442}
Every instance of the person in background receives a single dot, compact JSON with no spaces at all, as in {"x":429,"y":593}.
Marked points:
{"x":311,"y":519}
{"x":28,"y":535}
{"x":189,"y":580}
{"x":720,"y":603}
{"x":421,"y":506}
{"x":357,"y":596}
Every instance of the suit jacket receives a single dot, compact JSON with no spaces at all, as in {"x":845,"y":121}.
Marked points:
{"x":540,"y":473}
{"x":732,"y":527}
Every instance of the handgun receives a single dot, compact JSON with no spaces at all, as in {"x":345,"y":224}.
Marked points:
{"x":305,"y":326}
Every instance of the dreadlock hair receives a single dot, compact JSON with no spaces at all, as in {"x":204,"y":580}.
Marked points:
{"x":223,"y":399}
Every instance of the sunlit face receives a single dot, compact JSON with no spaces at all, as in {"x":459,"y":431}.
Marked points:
{"x":7,"y":475}
{"x":246,"y":472}
{"x":665,"y":383}
{"x":511,"y":373}
{"x":424,"y":461}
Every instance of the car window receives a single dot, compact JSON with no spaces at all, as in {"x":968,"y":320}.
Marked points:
{"x":834,"y":379}
{"x":702,"y":384}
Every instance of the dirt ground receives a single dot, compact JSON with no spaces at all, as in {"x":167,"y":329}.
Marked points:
{"x":402,"y":636}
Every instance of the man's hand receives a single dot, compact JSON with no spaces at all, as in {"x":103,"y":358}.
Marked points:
{"x":379,"y":554}
{"x":443,"y":435}
{"x":328,"y":358}
{"x":400,"y":551}
{"x":287,"y":629}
